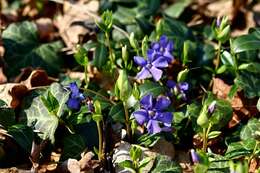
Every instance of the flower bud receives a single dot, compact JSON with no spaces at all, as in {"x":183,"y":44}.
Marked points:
{"x":123,"y":86}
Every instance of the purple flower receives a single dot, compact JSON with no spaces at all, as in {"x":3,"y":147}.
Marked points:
{"x":212,"y":107}
{"x":164,"y":48}
{"x":178,"y":88}
{"x":158,"y":56}
{"x":152,"y":114}
{"x":75,"y":98}
{"x":194,"y":156}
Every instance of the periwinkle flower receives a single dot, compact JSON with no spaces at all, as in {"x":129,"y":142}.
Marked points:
{"x":194,"y":156}
{"x":76,"y":97}
{"x":151,"y":67}
{"x":178,"y":88}
{"x":158,"y":57}
{"x":152,"y":113}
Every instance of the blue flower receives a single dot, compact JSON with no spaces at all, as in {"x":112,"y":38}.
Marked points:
{"x":158,"y":56}
{"x":76,"y":97}
{"x":152,"y":114}
{"x":178,"y":88}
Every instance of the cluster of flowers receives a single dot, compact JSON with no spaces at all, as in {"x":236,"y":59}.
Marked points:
{"x":158,"y":56}
{"x":152,"y":114}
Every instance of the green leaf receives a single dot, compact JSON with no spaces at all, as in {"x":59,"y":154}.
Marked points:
{"x":135,"y":153}
{"x":258,"y":105}
{"x":127,"y":164}
{"x":251,"y":130}
{"x":39,"y":117}
{"x":23,"y":49}
{"x":214,"y":134}
{"x":253,"y":67}
{"x":177,"y":8}
{"x":246,"y":42}
{"x":144,"y":162}
{"x":227,"y":59}
{"x":151,"y":88}
{"x":51,"y":103}
{"x":240,"y":149}
{"x":74,"y":145}
{"x":7,"y":117}
{"x":117,"y":113}
{"x":101,"y":56}
{"x":250,"y":83}
{"x":97,"y":117}
{"x":148,"y":140}
{"x":2,"y":103}
{"x":164,"y":164}
{"x":23,"y":135}
{"x":81,"y":56}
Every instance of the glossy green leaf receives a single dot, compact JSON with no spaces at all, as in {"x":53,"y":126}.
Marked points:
{"x":246,"y":42}
{"x":23,"y":49}
{"x":74,"y":145}
{"x":117,"y":113}
{"x":253,"y":67}
{"x":81,"y":56}
{"x":227,"y":58}
{"x":151,"y":88}
{"x":101,"y":56}
{"x":23,"y":135}
{"x":128,"y":165}
{"x":213,"y":134}
{"x":176,"y":9}
{"x":144,"y":162}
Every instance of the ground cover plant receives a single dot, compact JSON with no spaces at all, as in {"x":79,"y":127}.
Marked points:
{"x":130,"y":86}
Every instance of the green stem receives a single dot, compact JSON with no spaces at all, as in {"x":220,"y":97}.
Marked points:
{"x":86,"y":76}
{"x":109,"y":48}
{"x":100,"y":95}
{"x":253,"y":153}
{"x":100,"y":142}
{"x":127,"y":122}
{"x":218,"y":55}
{"x":205,"y":137}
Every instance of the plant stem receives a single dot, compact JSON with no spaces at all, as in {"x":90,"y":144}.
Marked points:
{"x":127,"y":122}
{"x":205,"y":137}
{"x":100,"y":142}
{"x":100,"y":95}
{"x":109,"y":48}
{"x":253,"y":153}
{"x":218,"y":55}
{"x":86,"y":76}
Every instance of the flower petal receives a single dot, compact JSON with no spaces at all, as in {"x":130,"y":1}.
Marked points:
{"x":140,"y":61}
{"x":184,"y":86}
{"x":155,"y":46}
{"x":141,"y":116}
{"x":169,"y":46}
{"x":170,"y":84}
{"x":73,"y":103}
{"x":163,"y":41}
{"x":153,"y":127}
{"x":168,"y":56}
{"x":144,"y":74}
{"x":165,"y":117}
{"x":156,"y":73}
{"x":147,"y":101}
{"x":162,"y":103}
{"x":160,"y":62}
{"x":74,"y":89}
{"x":151,"y":55}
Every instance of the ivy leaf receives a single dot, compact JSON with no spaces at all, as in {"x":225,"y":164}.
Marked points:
{"x":151,"y":87}
{"x":23,"y":135}
{"x":250,"y":130}
{"x":240,"y":149}
{"x":74,"y":145}
{"x":23,"y":49}
{"x":39,"y":116}
{"x":246,"y":42}
{"x":164,"y":164}
{"x":250,"y":83}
